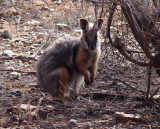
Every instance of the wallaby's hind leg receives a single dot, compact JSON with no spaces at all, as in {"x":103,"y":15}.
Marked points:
{"x":58,"y":82}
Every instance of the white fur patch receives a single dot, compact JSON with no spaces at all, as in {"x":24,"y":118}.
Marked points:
{"x":77,"y":82}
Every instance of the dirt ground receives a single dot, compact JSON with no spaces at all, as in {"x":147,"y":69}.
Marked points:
{"x":120,"y":86}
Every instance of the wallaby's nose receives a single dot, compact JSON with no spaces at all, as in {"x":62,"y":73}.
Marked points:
{"x":93,"y":46}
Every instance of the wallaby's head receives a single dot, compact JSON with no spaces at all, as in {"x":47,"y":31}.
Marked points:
{"x":89,"y":39}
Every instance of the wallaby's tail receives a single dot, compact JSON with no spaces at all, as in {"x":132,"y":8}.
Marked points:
{"x":57,"y":82}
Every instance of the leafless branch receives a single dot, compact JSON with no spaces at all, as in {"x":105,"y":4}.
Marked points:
{"x":18,"y":57}
{"x":19,"y":71}
{"x":109,"y":22}
{"x":148,"y":83}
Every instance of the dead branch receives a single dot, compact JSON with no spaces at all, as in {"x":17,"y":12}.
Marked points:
{"x":136,"y":27}
{"x":156,"y":63}
{"x":120,"y":47}
{"x":15,"y":7}
{"x":18,"y":57}
{"x":95,"y":11}
{"x":18,"y":71}
{"x":102,"y":10}
{"x":99,"y":95}
{"x":149,"y":83}
{"x":109,"y":22}
{"x":99,"y":2}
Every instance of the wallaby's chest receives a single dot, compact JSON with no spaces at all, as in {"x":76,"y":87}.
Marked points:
{"x":91,"y":59}
{"x":87,"y":57}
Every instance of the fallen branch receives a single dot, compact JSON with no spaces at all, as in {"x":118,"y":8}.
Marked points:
{"x":102,"y":95}
{"x":99,"y":2}
{"x":19,"y":71}
{"x":18,"y":57}
{"x":149,"y":83}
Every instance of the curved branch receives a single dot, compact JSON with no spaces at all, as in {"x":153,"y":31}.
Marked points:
{"x":136,"y":27}
{"x":18,"y":57}
{"x":120,"y":47}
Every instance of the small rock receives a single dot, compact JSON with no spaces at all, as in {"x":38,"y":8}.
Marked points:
{"x":61,"y":26}
{"x":40,"y":36}
{"x":15,"y":75}
{"x":34,"y":23}
{"x":24,"y":122}
{"x":42,"y":114}
{"x":49,"y":107}
{"x":18,"y":92}
{"x":73,"y":122}
{"x":47,"y":125}
{"x":47,"y":9}
{"x":14,"y":118}
{"x":6,"y":34}
{"x":10,"y":110}
{"x":6,"y":103}
{"x":15,"y":93}
{"x":29,"y":53}
{"x":26,"y":107}
{"x":11,"y":68}
{"x":57,"y":1}
{"x":9,"y":53}
{"x":156,"y":98}
{"x":27,"y":127}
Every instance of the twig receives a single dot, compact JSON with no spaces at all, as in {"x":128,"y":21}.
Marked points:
{"x":18,"y":57}
{"x":95,"y":11}
{"x":99,"y":2}
{"x":13,"y":4}
{"x":102,"y":95}
{"x":109,"y":22}
{"x":19,"y":71}
{"x":149,"y":83}
{"x":102,"y":10}
{"x":120,"y":47}
{"x":17,"y":21}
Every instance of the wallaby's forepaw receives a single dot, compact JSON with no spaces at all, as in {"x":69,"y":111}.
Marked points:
{"x":91,"y":81}
{"x":88,"y":82}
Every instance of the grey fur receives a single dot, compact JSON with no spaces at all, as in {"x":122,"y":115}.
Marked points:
{"x":63,"y":53}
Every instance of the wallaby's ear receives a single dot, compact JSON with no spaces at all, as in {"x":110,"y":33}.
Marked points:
{"x":84,"y":24}
{"x":98,"y":24}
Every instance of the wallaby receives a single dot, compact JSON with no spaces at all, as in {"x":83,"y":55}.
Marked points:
{"x":70,"y":62}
